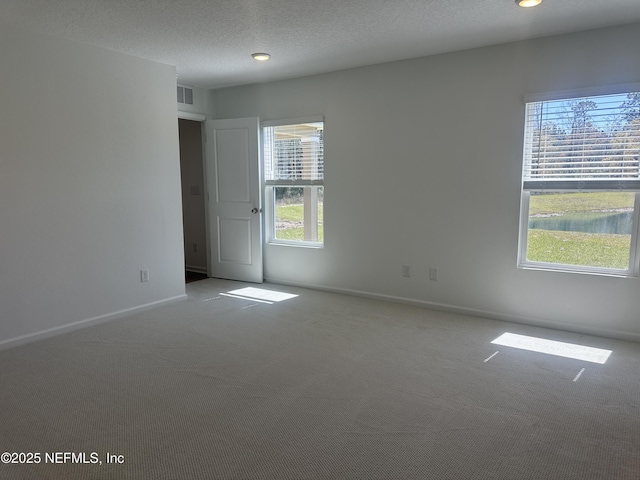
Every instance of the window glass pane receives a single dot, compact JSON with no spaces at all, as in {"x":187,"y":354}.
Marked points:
{"x":294,"y":152}
{"x":587,"y":228}
{"x":298,"y":213}
{"x":586,"y":138}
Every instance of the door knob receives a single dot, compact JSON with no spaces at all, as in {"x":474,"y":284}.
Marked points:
{"x":256,"y":210}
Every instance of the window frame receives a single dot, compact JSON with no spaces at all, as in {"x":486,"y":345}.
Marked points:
{"x":528,"y":186}
{"x":269,"y":186}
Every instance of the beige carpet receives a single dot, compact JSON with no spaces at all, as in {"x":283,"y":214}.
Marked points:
{"x":319,"y":386}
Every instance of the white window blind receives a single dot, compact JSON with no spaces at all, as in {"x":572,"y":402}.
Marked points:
{"x":294,"y":154}
{"x":585,"y":143}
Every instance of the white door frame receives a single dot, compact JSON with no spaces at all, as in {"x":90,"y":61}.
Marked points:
{"x":201,"y":118}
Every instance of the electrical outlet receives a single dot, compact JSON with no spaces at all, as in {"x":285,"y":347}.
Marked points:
{"x":406,"y":271}
{"x":433,"y":274}
{"x":144,"y":275}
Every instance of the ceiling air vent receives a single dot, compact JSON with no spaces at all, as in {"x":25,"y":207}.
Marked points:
{"x":185,"y":95}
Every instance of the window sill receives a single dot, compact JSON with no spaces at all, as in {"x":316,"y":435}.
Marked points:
{"x":550,"y":267}
{"x":311,"y":245}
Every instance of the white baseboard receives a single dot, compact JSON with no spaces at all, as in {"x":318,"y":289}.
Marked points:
{"x":537,"y":322}
{"x":32,"y":337}
{"x":196,"y":269}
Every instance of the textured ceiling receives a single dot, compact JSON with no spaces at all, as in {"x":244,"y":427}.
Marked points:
{"x":210,"y":41}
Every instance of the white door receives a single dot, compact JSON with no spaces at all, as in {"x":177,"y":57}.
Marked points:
{"x":234,"y":204}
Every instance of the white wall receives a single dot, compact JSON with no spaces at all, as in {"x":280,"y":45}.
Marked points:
{"x":201,"y":102}
{"x":423,"y":164}
{"x":89,"y":185}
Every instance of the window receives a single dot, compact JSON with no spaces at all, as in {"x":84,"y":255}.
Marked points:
{"x":580,"y":184}
{"x":293,"y":155}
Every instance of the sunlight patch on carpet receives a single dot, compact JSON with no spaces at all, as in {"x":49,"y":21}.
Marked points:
{"x":552,"y":347}
{"x":260,"y":294}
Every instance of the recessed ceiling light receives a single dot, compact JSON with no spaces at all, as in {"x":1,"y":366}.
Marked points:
{"x":528,"y":3}
{"x":261,"y":57}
